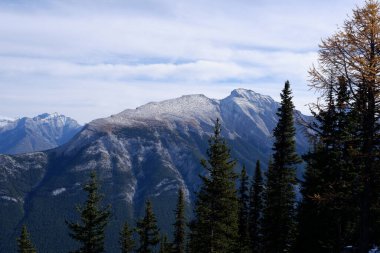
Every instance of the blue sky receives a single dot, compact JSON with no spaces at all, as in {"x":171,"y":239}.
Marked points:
{"x":93,"y":58}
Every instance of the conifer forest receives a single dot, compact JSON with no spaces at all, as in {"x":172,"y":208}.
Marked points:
{"x":333,"y":206}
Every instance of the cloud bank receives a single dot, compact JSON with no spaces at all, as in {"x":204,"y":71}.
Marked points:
{"x":90,"y":59}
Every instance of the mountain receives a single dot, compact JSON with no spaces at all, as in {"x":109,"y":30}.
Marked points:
{"x":5,"y":120}
{"x":42,"y":132}
{"x":138,"y":154}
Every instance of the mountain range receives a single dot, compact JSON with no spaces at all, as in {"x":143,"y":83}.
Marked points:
{"x":145,"y":153}
{"x":43,"y":132}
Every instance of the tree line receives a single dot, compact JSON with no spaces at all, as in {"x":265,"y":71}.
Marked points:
{"x":250,"y":217}
{"x":338,"y":209}
{"x":256,"y":217}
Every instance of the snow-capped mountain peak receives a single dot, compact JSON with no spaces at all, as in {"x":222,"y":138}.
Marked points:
{"x":187,"y":107}
{"x":49,"y":116}
{"x":185,"y":104}
{"x":146,"y":153}
{"x":42,"y":132}
{"x":249,"y":95}
{"x":5,"y":121}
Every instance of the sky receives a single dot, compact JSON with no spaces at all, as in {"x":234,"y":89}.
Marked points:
{"x":93,"y":58}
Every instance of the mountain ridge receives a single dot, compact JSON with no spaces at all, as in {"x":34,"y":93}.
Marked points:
{"x":137,"y":155}
{"x":42,"y":132}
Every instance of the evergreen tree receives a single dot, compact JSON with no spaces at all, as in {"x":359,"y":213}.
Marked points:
{"x":165,"y":246}
{"x":353,"y":52}
{"x":256,"y":205}
{"x":279,"y":222}
{"x":179,"y":225}
{"x":89,"y":232}
{"x":24,"y":242}
{"x":191,"y":245}
{"x":243,"y":211}
{"x":327,"y":213}
{"x":215,"y":228}
{"x":148,"y":230}
{"x":126,"y":240}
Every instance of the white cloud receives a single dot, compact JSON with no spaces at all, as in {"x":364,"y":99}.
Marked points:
{"x":93,"y":58}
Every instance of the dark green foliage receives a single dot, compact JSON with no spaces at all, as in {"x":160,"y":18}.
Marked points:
{"x":60,"y":170}
{"x":179,"y":224}
{"x":215,"y":228}
{"x":89,"y":232}
{"x":191,"y":245}
{"x":148,"y":230}
{"x":24,"y":243}
{"x":126,"y":239}
{"x":165,"y":245}
{"x":279,"y":222}
{"x":256,"y":205}
{"x":327,"y":214}
{"x":243,"y":211}
{"x":353,"y":52}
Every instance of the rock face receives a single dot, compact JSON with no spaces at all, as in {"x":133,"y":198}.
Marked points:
{"x":43,"y":132}
{"x":146,"y":153}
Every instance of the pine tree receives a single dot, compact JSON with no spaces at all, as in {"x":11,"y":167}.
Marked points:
{"x":165,"y":246}
{"x":179,"y":225}
{"x":89,"y":232}
{"x":279,"y":222}
{"x":327,"y":213}
{"x":126,"y":240}
{"x":192,"y":237}
{"x":148,"y":230}
{"x":24,"y":242}
{"x":256,"y":205}
{"x":243,"y":211}
{"x":215,"y":228}
{"x":353,"y":52}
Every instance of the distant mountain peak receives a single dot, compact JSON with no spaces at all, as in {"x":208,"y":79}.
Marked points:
{"x":196,"y":108}
{"x":146,"y":153}
{"x":249,"y":95}
{"x":187,"y":107}
{"x":5,"y":121}
{"x":50,"y":116}
{"x":42,"y":132}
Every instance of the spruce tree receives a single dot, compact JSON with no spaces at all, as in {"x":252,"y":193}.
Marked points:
{"x":126,"y":239}
{"x":89,"y":232}
{"x":148,"y":231}
{"x":353,"y":52}
{"x":179,"y":225}
{"x":256,"y":205}
{"x":279,"y":222}
{"x":327,"y":213}
{"x":24,"y":242}
{"x":215,"y":228}
{"x":192,"y":236}
{"x":165,"y":246}
{"x":243,"y":211}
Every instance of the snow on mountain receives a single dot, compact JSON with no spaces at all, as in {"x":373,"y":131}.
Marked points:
{"x":42,"y":132}
{"x":146,"y":153}
{"x":5,"y":121}
{"x":195,"y":108}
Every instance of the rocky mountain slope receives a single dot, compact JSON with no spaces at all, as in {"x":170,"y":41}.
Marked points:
{"x":138,"y":154}
{"x":42,"y":132}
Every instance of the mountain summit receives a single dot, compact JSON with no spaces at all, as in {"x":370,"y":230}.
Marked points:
{"x":39,"y":133}
{"x":197,"y":109}
{"x":140,"y":154}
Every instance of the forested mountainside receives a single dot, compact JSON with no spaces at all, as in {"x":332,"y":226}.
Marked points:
{"x":146,"y":153}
